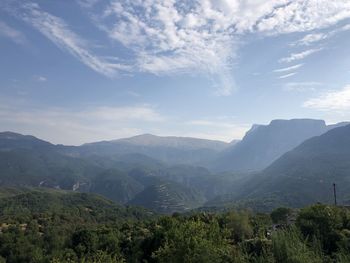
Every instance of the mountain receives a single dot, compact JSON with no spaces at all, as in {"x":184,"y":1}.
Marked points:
{"x":116,"y":185}
{"x":168,"y":197}
{"x":129,"y":171}
{"x":44,"y":167}
{"x":171,"y":150}
{"x":306,"y":174}
{"x":11,"y":140}
{"x":185,"y":143}
{"x":264,"y":144}
{"x":26,"y":161}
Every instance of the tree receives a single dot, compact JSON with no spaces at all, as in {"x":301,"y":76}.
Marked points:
{"x":194,"y":241}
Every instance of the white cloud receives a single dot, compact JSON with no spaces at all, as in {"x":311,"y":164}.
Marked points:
{"x":302,"y":86}
{"x":69,"y":126}
{"x":87,"y":3}
{"x":211,"y":123}
{"x":287,"y":75}
{"x":303,"y":16}
{"x":168,"y":37}
{"x":56,"y":30}
{"x":114,"y":114}
{"x":217,"y":129}
{"x":313,"y":38}
{"x":310,"y":39}
{"x":133,"y":93}
{"x":331,"y":101}
{"x":177,"y":36}
{"x":299,"y":56}
{"x":288,"y":68}
{"x":41,"y":79}
{"x":191,"y":37}
{"x":11,"y":33}
{"x":344,"y":28}
{"x":60,"y":125}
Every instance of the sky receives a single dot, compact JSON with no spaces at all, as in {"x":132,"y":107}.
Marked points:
{"x":78,"y":71}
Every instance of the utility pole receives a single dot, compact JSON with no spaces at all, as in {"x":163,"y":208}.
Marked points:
{"x":335,"y":194}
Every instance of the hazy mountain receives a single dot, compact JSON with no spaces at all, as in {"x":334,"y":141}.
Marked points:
{"x":22,"y":167}
{"x":168,"y":197}
{"x":116,"y":185}
{"x":129,"y":170}
{"x":305,"y":175}
{"x":185,"y":143}
{"x":26,"y":161}
{"x":171,"y":150}
{"x":11,"y":140}
{"x":263,"y":144}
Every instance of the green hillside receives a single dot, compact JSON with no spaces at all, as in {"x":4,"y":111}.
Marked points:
{"x":306,"y":174}
{"x":116,"y":185}
{"x":168,"y":197}
{"x":26,"y":203}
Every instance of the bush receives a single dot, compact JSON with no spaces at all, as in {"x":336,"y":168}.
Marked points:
{"x":289,"y":246}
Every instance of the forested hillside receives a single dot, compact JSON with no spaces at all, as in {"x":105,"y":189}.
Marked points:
{"x":56,"y":226}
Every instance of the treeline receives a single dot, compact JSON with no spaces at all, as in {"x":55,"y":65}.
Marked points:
{"x":71,"y":230}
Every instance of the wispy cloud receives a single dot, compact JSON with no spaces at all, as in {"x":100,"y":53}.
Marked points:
{"x":40,"y":78}
{"x":281,"y":70}
{"x":217,"y":129}
{"x":173,"y":37}
{"x":79,"y":126}
{"x":310,"y":39}
{"x":168,"y":38}
{"x":178,"y":37}
{"x":331,"y":101}
{"x":138,"y":113}
{"x":87,"y":3}
{"x":304,"y":16}
{"x":302,"y":86}
{"x":11,"y":33}
{"x":287,"y":75}
{"x":57,"y":31}
{"x":313,"y":38}
{"x":299,"y":56}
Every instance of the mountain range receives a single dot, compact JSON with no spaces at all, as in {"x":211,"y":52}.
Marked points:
{"x":264,"y":144}
{"x":288,"y":162}
{"x":171,"y":149}
{"x":306,"y":174}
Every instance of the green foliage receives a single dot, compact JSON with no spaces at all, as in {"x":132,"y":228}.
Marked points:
{"x":193,"y":241}
{"x":280,"y":215}
{"x":289,"y":247}
{"x":168,"y":197}
{"x":57,"y":226}
{"x":324,"y":223}
{"x":239,"y":226}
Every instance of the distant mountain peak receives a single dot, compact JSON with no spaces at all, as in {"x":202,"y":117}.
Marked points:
{"x":11,"y":140}
{"x":263,"y":144}
{"x":11,"y":135}
{"x":172,"y":142}
{"x":297,"y":121}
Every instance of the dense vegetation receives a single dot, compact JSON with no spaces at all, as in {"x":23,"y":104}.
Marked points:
{"x":56,"y":226}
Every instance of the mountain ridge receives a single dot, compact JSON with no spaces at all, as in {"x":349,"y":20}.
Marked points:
{"x":264,"y":144}
{"x":306,"y":174}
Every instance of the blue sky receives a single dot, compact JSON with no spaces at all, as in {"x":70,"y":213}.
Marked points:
{"x":85,"y":70}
